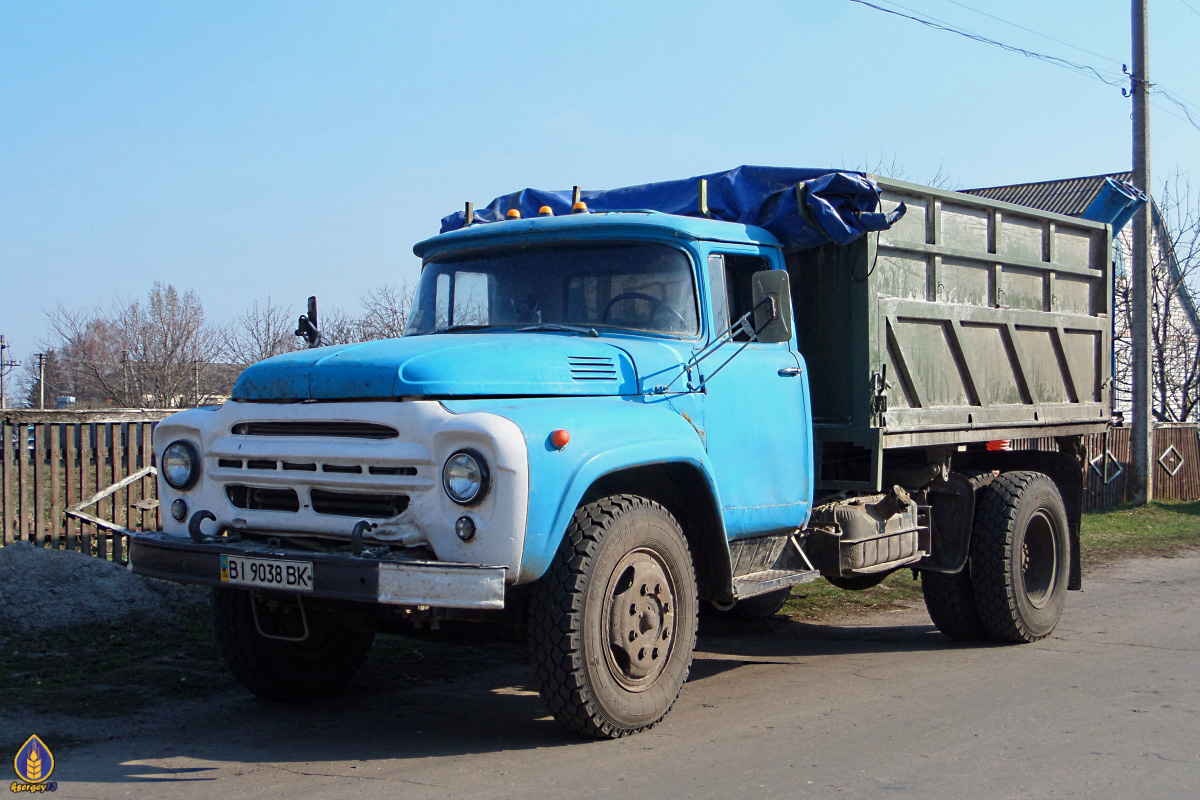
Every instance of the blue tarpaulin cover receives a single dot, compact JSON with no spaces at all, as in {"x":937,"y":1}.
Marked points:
{"x":1115,"y":203}
{"x":837,"y":206}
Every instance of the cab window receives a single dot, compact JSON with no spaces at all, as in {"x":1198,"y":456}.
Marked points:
{"x":732,"y":288}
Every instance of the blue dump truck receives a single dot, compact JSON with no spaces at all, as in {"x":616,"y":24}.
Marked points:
{"x":612,"y":409}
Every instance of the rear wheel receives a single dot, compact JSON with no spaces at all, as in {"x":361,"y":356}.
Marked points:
{"x":950,"y":601}
{"x":613,"y":621}
{"x":275,"y":669}
{"x":1019,"y":556}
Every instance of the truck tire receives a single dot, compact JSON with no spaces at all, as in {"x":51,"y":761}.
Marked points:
{"x":281,"y":670}
{"x":752,"y":609}
{"x":950,"y":601}
{"x":1019,"y":556}
{"x":613,"y":622}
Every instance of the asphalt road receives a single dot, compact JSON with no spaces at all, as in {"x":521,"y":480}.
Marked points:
{"x":1107,"y":707}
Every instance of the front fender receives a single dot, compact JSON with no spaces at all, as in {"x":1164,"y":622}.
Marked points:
{"x":608,"y":434}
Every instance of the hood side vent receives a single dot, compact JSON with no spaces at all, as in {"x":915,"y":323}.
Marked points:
{"x":592,"y":368}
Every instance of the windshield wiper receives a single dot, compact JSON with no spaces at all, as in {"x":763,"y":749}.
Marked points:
{"x":554,"y":326}
{"x":460,"y":328}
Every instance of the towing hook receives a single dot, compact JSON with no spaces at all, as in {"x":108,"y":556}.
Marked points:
{"x":194,"y":523}
{"x":360,"y":527}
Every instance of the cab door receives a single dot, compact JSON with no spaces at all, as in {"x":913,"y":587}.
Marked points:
{"x":756,"y":408}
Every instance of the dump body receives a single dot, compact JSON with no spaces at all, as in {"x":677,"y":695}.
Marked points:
{"x":969,"y":320}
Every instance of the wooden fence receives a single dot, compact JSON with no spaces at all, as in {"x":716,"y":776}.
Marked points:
{"x":1176,"y":469}
{"x":53,"y":462}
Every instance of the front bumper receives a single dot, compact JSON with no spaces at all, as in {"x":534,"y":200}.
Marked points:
{"x":391,"y":579}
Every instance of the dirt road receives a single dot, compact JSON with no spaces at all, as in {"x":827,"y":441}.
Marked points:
{"x":1107,"y":707}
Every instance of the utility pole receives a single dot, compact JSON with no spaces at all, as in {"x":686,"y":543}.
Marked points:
{"x":41,"y":357}
{"x":1142,"y":468}
{"x":5,"y":366}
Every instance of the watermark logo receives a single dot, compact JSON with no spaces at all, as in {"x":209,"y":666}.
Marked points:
{"x":34,"y":763}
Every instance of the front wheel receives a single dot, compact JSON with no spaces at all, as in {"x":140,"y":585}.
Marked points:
{"x":613,"y":621}
{"x":276,"y":669}
{"x":1019,"y":556}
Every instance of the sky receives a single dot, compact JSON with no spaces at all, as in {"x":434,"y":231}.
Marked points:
{"x":254,"y":150}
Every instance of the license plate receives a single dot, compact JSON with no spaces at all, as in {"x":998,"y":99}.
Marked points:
{"x":267,"y":572}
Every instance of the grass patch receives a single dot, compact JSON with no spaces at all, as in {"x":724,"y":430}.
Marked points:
{"x":821,"y":598}
{"x":1159,"y":528}
{"x":108,"y":669}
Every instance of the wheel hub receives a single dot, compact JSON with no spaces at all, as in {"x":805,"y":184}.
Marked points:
{"x":640,"y":607}
{"x":1039,"y":560}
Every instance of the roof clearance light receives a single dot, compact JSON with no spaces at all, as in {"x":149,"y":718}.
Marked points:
{"x":545,"y":211}
{"x":513,"y":214}
{"x":559,"y":438}
{"x":580,"y":207}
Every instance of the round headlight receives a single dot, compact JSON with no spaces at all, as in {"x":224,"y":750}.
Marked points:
{"x":180,"y":465}
{"x":465,"y":477}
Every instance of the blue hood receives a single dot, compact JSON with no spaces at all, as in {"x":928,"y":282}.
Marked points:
{"x":444,"y":365}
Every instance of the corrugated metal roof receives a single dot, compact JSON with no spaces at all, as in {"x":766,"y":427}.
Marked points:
{"x":1069,"y":196}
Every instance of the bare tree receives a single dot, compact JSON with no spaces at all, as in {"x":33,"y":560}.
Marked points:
{"x":154,"y":353}
{"x":261,"y":332}
{"x":892,"y":168}
{"x":1175,"y":274}
{"x":385,"y":311}
{"x":338,"y":327}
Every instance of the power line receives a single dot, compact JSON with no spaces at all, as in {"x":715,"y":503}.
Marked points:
{"x":1182,"y":106}
{"x":1167,"y":110}
{"x":1031,"y":30}
{"x":1190,"y":7}
{"x":940,"y":26}
{"x":1191,"y":112}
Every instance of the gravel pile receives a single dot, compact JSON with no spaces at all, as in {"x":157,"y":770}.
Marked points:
{"x":48,"y":589}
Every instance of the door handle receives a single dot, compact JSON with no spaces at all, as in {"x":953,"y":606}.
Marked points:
{"x":790,"y":372}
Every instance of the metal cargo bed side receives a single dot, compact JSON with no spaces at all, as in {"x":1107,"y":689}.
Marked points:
{"x":969,"y":320}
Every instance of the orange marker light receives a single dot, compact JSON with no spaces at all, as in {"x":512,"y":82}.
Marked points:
{"x":545,"y":211}
{"x":580,"y":207}
{"x":513,"y":214}
{"x":559,"y":438}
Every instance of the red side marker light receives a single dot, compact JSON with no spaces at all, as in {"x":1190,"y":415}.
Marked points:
{"x":559,"y":438}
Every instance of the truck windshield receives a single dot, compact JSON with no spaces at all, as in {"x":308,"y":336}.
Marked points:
{"x":637,"y":287}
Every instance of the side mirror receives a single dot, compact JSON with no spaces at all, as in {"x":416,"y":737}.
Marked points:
{"x":772,"y":296}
